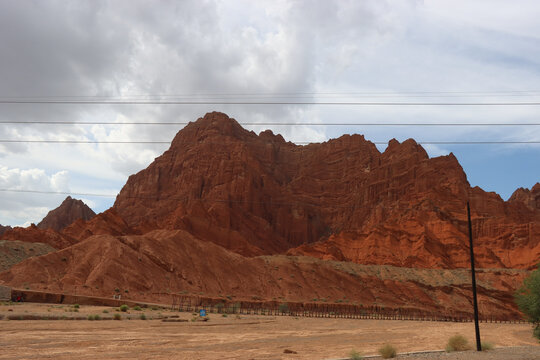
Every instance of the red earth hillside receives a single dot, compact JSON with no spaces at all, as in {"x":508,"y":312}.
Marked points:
{"x":152,"y":266}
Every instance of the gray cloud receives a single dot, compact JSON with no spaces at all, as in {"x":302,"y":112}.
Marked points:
{"x":133,"y":48}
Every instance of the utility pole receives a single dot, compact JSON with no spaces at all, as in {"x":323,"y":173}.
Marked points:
{"x":473,"y":273}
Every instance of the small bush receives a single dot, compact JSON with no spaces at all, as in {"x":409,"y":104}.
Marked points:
{"x":97,"y":317}
{"x":105,"y":311}
{"x":117,"y":317}
{"x":124,"y":308}
{"x":76,"y":306}
{"x":224,"y":315}
{"x":142,"y":317}
{"x":138,"y":308}
{"x":90,"y":317}
{"x":355,"y":355}
{"x":486,"y":346}
{"x":457,"y":343}
{"x":388,"y":351}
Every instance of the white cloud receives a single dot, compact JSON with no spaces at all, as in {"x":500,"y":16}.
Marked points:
{"x":19,"y":207}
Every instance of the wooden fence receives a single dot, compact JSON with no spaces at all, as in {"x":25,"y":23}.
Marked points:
{"x":327,"y":310}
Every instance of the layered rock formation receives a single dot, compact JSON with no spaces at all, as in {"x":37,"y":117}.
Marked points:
{"x":341,"y":200}
{"x":69,"y":211}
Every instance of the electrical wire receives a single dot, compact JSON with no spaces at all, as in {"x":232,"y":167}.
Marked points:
{"x":263,"y":123}
{"x":295,"y":142}
{"x":323,"y":103}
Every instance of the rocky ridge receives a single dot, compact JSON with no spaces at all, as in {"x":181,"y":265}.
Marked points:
{"x":69,"y":211}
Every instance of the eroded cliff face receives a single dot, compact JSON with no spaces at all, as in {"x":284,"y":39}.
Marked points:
{"x":69,"y":211}
{"x":343,"y":200}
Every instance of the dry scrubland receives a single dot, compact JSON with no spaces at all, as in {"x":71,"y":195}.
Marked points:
{"x":235,"y":337}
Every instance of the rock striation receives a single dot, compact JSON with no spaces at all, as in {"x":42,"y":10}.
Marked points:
{"x":342,"y":200}
{"x":69,"y":211}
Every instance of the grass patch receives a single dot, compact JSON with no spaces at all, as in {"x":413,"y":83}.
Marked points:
{"x":486,"y":346}
{"x":76,"y":306}
{"x":137,"y":308}
{"x":457,"y":343}
{"x":117,"y":317}
{"x":105,"y":311}
{"x":142,"y":317}
{"x":388,"y":351}
{"x":355,"y":355}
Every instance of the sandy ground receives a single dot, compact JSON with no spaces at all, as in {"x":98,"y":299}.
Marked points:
{"x":237,"y":337}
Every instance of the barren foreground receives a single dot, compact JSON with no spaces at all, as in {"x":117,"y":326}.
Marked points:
{"x":235,"y":337}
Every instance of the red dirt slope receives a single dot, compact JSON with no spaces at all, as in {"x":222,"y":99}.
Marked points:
{"x":161,"y":262}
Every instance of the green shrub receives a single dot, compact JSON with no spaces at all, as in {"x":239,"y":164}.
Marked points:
{"x":355,"y":355}
{"x":76,"y":306}
{"x":528,"y":300}
{"x":388,"y":351}
{"x":117,"y":317}
{"x":105,"y":311}
{"x":457,"y":343}
{"x":142,"y":317}
{"x":284,"y":308}
{"x":486,"y":346}
{"x":90,"y":317}
{"x":124,"y":308}
{"x":97,"y":317}
{"x":137,"y":307}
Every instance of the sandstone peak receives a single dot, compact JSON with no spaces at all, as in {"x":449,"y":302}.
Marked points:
{"x":212,"y":126}
{"x":530,"y":198}
{"x":3,"y":229}
{"x":69,"y":211}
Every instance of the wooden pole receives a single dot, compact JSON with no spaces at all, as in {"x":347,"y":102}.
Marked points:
{"x":473,"y":274}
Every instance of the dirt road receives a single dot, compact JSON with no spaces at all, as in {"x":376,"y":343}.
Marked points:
{"x":232,"y":337}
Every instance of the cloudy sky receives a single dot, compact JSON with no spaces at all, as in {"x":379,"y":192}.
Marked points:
{"x":449,"y":51}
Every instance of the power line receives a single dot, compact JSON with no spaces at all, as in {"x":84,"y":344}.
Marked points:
{"x":287,"y":94}
{"x":324,"y":103}
{"x":83,"y":142}
{"x":264,"y":123}
{"x":206,"y":200}
{"x":296,"y":142}
{"x":55,"y":192}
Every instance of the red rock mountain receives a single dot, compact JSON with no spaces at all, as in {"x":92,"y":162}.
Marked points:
{"x":219,"y":209}
{"x":341,"y":200}
{"x":64,"y":215}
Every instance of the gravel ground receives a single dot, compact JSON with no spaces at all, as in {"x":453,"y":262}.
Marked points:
{"x":508,"y":353}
